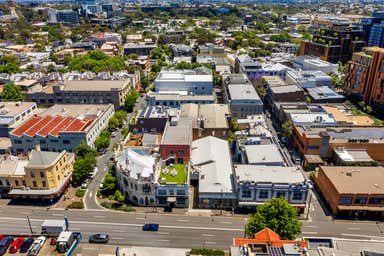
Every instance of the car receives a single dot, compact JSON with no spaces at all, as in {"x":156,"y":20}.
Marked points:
{"x":36,"y":246}
{"x":4,"y":244}
{"x":114,"y":134}
{"x":99,"y":238}
{"x":27,"y":243}
{"x":16,"y":244}
{"x":1,"y":237}
{"x":151,"y":227}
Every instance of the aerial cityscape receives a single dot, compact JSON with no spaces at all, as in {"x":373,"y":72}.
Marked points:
{"x":192,"y":128}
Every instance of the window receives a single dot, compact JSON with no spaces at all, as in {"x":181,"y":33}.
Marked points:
{"x":162,"y":192}
{"x":360,"y":200}
{"x":172,"y":152}
{"x":180,"y":152}
{"x":263,"y":194}
{"x":44,"y":183}
{"x":280,"y":194}
{"x":146,"y":188}
{"x":34,"y":183}
{"x":42,"y":174}
{"x":297,"y":195}
{"x":16,"y":183}
{"x":376,"y":200}
{"x":345,"y":200}
{"x":66,"y":142}
{"x":32,"y":174}
{"x":136,"y":187}
{"x":180,"y":192}
{"x":246,"y":193}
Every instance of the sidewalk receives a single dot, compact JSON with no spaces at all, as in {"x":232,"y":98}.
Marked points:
{"x":68,"y":197}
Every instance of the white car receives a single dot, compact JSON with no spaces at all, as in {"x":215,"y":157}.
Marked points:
{"x":36,"y":246}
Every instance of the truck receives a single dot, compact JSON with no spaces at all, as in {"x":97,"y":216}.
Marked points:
{"x":67,"y":242}
{"x":53,"y":227}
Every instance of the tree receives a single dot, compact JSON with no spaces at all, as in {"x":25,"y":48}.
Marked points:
{"x":103,"y":140}
{"x":83,"y":150}
{"x":51,"y":68}
{"x":121,"y":116}
{"x":11,"y":92}
{"x":131,"y":99}
{"x":82,"y":167}
{"x":286,"y":129}
{"x":109,"y":184}
{"x":277,"y":215}
{"x":259,"y":87}
{"x":119,"y":196}
{"x":113,"y":123}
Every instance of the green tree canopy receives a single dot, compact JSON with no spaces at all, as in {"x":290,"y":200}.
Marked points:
{"x":131,"y":99}
{"x":277,"y":215}
{"x":109,"y":184}
{"x":286,"y":129}
{"x":113,"y":123}
{"x":82,"y":167}
{"x":83,"y":150}
{"x":103,"y":140}
{"x":11,"y":92}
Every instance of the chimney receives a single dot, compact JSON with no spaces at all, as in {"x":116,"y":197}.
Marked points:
{"x":37,"y":147}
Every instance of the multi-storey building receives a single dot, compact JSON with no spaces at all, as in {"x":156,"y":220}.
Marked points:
{"x":44,"y":176}
{"x":352,"y":191}
{"x":83,"y":92}
{"x":61,"y":127}
{"x":335,"y":43}
{"x":63,"y":16}
{"x":207,"y":119}
{"x":322,"y":141}
{"x":174,"y":37}
{"x":257,"y":184}
{"x":184,"y":82}
{"x":175,"y":146}
{"x":138,"y":49}
{"x":135,"y":173}
{"x":365,"y":77}
{"x":14,"y":113}
{"x":241,"y":96}
{"x":374,"y":29}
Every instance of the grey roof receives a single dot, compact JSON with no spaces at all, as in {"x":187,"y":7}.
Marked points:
{"x":178,"y":132}
{"x":263,"y":154}
{"x":323,"y":92}
{"x":242,"y":92}
{"x":211,"y":157}
{"x":273,"y":174}
{"x":285,"y":89}
{"x":43,"y":158}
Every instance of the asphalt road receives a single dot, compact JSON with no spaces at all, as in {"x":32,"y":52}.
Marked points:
{"x":126,"y":228}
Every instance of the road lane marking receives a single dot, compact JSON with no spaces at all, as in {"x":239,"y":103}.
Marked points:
{"x":357,"y":235}
{"x":207,"y":235}
{"x":99,"y":216}
{"x":118,"y":238}
{"x":182,"y":220}
{"x":309,"y":232}
{"x":163,"y":233}
{"x":118,"y":231}
{"x":57,"y":214}
{"x":132,"y":225}
{"x":353,"y":228}
{"x":209,"y":242}
{"x":163,"y":240}
{"x":140,"y":218}
{"x":26,"y":213}
{"x":311,"y":226}
{"x":90,"y":194}
{"x":225,"y":222}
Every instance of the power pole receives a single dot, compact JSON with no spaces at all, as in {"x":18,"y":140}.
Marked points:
{"x":29,"y":224}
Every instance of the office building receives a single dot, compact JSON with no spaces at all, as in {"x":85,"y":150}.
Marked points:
{"x":138,"y":49}
{"x":61,"y":127}
{"x":190,"y":82}
{"x":306,"y":62}
{"x":176,"y":99}
{"x":83,"y":92}
{"x":366,"y":75}
{"x":308,"y":79}
{"x":45,"y":175}
{"x":352,"y":191}
{"x":324,"y":94}
{"x":335,"y":43}
{"x":241,"y":96}
{"x":63,"y":16}
{"x":374,"y":29}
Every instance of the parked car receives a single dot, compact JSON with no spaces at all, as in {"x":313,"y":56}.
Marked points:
{"x":16,"y":244}
{"x":1,"y":237}
{"x":27,"y":243}
{"x":99,"y":238}
{"x":84,"y":185}
{"x":4,"y":244}
{"x":151,"y":227}
{"x":36,"y":246}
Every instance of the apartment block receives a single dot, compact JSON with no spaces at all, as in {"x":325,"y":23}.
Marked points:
{"x":365,"y":78}
{"x":14,"y":113}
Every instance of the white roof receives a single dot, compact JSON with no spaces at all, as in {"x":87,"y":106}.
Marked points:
{"x":138,"y":163}
{"x":263,"y":154}
{"x":263,"y":173}
{"x":211,"y":156}
{"x":316,"y":118}
{"x":243,"y":92}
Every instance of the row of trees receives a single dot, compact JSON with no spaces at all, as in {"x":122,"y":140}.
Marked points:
{"x":85,"y":162}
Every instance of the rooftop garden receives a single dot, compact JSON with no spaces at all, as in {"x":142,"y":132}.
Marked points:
{"x":174,"y":174}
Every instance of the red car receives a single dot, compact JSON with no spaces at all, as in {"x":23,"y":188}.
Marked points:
{"x":16,"y":244}
{"x":1,"y":237}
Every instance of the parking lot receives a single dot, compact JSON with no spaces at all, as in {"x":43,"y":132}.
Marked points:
{"x":46,"y":250}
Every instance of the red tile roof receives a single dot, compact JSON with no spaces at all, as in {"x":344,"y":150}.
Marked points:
{"x":49,"y":125}
{"x":267,"y":236}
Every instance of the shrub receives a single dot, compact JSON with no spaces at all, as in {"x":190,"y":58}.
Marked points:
{"x":118,"y":206}
{"x":80,"y":192}
{"x":76,"y":205}
{"x":208,"y":252}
